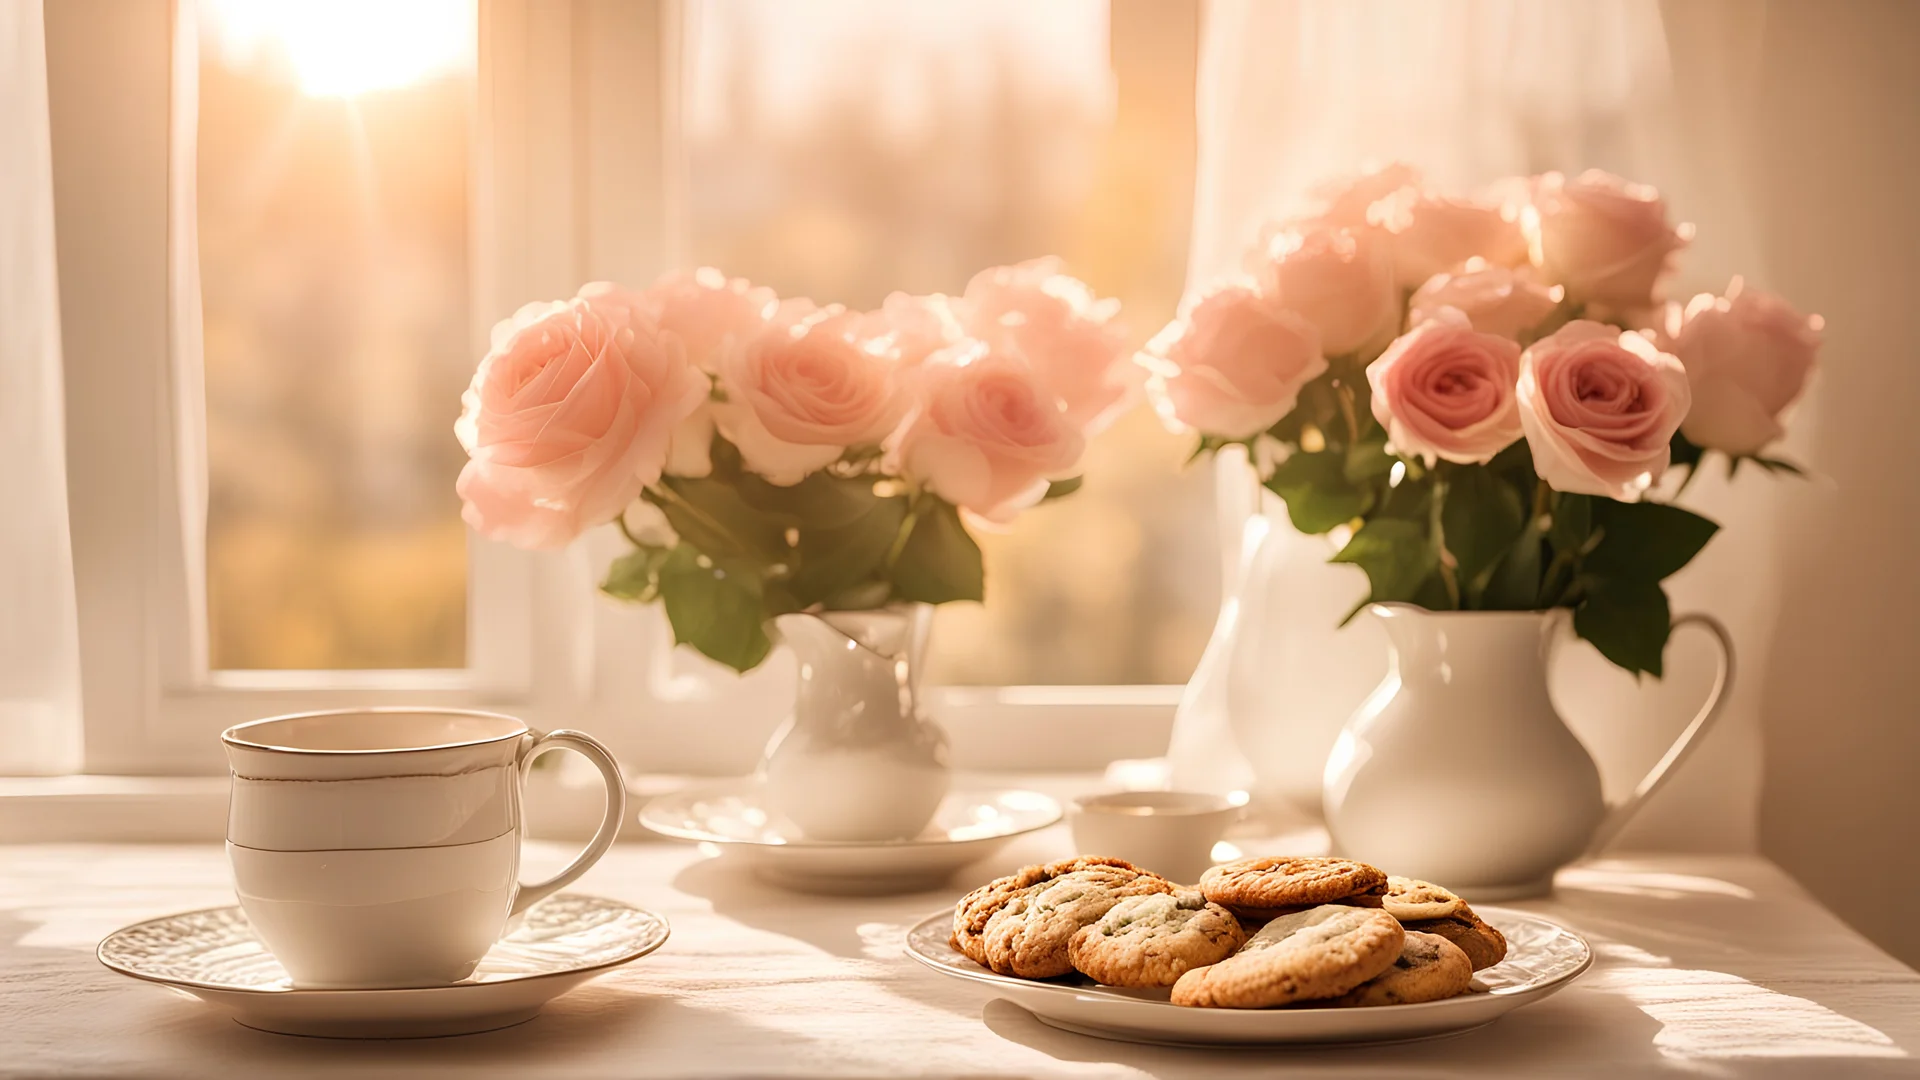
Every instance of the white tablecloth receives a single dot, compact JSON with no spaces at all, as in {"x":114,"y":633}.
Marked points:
{"x":1708,"y":966}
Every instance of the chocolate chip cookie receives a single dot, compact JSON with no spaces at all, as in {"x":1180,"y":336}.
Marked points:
{"x":1028,"y":935}
{"x":1484,"y":945}
{"x":1429,"y":968}
{"x":1153,"y":940}
{"x":1270,"y":887}
{"x":1310,"y":955}
{"x":971,"y":914}
{"x":1411,"y":900}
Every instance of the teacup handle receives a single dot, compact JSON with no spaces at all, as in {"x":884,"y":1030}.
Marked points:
{"x":589,"y":747}
{"x":1618,"y":815}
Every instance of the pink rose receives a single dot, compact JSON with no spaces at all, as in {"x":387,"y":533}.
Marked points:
{"x":913,"y":327}
{"x":708,"y":310}
{"x":1605,"y":239}
{"x":1234,"y":365}
{"x":1600,"y":407}
{"x":1350,"y":204}
{"x":1748,"y":356}
{"x":1071,"y":339}
{"x":1434,"y":233}
{"x":805,"y":389}
{"x":1340,"y":280}
{"x":988,"y":435}
{"x":1495,"y":299}
{"x":568,"y":419}
{"x":1446,"y":390}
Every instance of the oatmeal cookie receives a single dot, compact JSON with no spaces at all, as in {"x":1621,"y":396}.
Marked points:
{"x":1412,"y":900}
{"x":1428,"y":968}
{"x":1152,"y":940}
{"x":970,"y":915}
{"x":1028,"y":936}
{"x":1308,"y":956}
{"x":1270,"y":886}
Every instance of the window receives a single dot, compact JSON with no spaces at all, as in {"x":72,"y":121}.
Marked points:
{"x":332,"y":166}
{"x":843,"y":150}
{"x":308,"y":226}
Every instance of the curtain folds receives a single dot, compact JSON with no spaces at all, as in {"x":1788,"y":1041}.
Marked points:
{"x":39,"y":647}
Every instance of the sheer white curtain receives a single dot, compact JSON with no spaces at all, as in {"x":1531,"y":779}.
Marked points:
{"x":1295,"y":92}
{"x":39,"y":650}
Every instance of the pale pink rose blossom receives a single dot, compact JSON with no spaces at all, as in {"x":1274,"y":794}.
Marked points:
{"x":1607,"y":240}
{"x":1445,"y":390}
{"x":1599,"y":407}
{"x":913,"y":327}
{"x":804,"y":389}
{"x":1350,"y":203}
{"x":708,"y":310}
{"x":1072,"y":339}
{"x":988,"y":436}
{"x":1234,"y":365}
{"x":1496,"y":299}
{"x":568,"y":418}
{"x":1432,"y":233}
{"x":1748,"y":356}
{"x":1340,"y":280}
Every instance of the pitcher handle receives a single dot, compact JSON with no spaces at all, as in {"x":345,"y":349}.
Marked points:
{"x":588,"y":747}
{"x":1618,"y":815}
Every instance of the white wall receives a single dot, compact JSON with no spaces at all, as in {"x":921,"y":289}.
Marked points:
{"x":1836,"y":168}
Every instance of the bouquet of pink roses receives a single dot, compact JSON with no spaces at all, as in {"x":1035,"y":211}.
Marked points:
{"x":767,"y":456}
{"x":1479,"y":396}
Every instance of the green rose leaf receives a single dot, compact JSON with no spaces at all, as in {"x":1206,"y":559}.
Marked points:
{"x":830,"y":561}
{"x":1480,"y":520}
{"x":1317,"y":492}
{"x":711,"y":515}
{"x":1572,"y":521}
{"x":939,"y":562}
{"x":1627,"y":621}
{"x":1644,"y":542}
{"x":1060,"y":489}
{"x":632,"y":576}
{"x":1515,"y":582}
{"x":1395,"y":555}
{"x":714,"y":609}
{"x":1368,"y":459}
{"x":820,"y":499}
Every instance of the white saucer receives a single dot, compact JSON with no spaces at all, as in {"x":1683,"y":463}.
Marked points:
{"x":968,"y":827}
{"x":1542,"y":957}
{"x":213,"y":955}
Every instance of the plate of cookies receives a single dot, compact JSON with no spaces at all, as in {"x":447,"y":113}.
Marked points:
{"x":1263,"y":950}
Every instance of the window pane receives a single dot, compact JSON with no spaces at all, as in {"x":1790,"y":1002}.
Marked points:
{"x":841,"y":150}
{"x":333,"y":163}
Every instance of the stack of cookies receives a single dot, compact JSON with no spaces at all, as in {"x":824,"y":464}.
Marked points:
{"x":1253,"y":934}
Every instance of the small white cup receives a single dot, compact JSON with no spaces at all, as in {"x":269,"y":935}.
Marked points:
{"x":377,"y":848}
{"x":1171,"y":833}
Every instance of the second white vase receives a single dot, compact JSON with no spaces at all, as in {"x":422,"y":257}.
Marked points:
{"x":858,"y":759}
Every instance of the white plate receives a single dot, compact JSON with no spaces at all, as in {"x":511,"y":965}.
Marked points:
{"x":1542,"y":957}
{"x":214,"y":955}
{"x":968,"y":827}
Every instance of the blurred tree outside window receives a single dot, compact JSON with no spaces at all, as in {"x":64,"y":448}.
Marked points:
{"x":838,"y":149}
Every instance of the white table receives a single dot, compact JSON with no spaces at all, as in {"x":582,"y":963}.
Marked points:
{"x":1708,"y":966}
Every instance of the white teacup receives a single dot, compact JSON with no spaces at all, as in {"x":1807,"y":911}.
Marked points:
{"x":381,"y":847}
{"x":1171,"y":833}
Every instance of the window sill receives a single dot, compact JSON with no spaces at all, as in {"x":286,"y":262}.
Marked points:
{"x":85,"y":808}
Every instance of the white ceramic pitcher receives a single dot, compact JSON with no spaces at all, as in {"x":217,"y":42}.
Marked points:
{"x":1458,"y":770}
{"x":858,"y":760}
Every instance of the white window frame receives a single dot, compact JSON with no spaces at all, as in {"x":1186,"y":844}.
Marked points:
{"x":542,"y":643}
